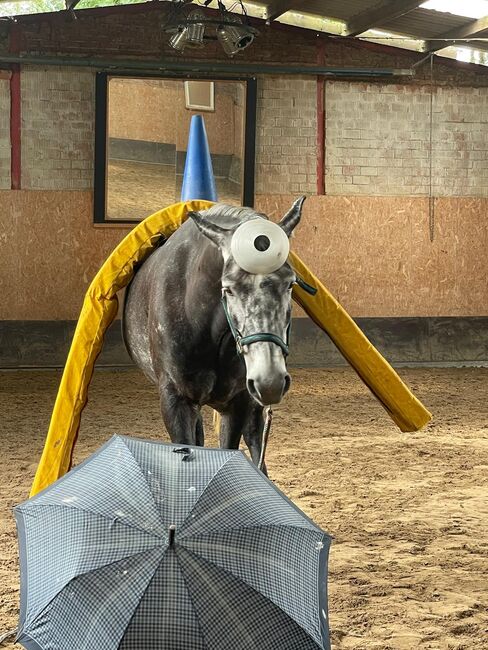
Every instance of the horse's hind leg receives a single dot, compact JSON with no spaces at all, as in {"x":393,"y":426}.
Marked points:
{"x":181,"y":416}
{"x":243,"y":417}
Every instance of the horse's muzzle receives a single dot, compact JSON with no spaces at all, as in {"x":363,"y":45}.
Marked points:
{"x":269,"y":391}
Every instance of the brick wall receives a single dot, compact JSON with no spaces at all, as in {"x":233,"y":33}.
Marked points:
{"x":460,"y":137}
{"x":378,"y":140}
{"x":377,"y":136}
{"x":377,"y":133}
{"x":57,"y":128}
{"x":286,"y":135}
{"x":135,"y":31}
{"x":4,"y":134}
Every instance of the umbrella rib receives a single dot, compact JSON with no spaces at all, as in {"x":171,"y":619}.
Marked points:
{"x":280,"y":493}
{"x":207,"y":486}
{"x":144,"y":478}
{"x":136,"y":609}
{"x":240,"y":497}
{"x":244,"y":582}
{"x":205,"y":646}
{"x":323,"y":534}
{"x":96,"y":514}
{"x":27,"y":621}
{"x":237,"y":528}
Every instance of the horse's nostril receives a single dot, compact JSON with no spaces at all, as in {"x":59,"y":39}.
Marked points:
{"x":287,"y":384}
{"x":269,"y":392}
{"x":254,"y":391}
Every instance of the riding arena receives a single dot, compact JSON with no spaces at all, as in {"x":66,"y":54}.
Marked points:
{"x":244,"y":325}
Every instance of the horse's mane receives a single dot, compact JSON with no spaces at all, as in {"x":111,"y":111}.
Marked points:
{"x":233,"y":213}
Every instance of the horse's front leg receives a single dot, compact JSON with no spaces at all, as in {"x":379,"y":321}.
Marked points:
{"x":181,"y":416}
{"x":243,"y":417}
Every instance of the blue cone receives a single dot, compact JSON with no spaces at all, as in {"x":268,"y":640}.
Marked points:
{"x":198,"y":178}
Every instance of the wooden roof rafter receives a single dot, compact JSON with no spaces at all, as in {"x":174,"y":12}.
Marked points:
{"x":474,"y":29}
{"x":379,"y":14}
{"x":279,"y":7}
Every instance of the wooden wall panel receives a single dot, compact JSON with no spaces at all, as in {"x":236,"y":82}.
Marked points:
{"x":50,"y":252}
{"x":132,"y":101}
{"x":373,"y":253}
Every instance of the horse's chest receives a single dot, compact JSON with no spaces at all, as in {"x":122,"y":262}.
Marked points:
{"x":209,"y":379}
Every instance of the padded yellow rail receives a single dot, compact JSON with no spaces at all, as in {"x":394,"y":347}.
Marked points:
{"x":408,"y":413}
{"x":100,"y":308}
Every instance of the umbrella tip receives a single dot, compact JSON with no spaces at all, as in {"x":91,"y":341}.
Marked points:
{"x":171,"y":537}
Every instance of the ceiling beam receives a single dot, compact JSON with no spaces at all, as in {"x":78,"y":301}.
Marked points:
{"x":279,"y":7}
{"x":379,"y":14}
{"x":471,"y":30}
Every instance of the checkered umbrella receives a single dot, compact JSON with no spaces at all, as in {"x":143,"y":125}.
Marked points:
{"x":148,"y":546}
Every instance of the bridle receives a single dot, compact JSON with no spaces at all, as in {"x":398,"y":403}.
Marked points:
{"x":266,"y":337}
{"x":262,"y":337}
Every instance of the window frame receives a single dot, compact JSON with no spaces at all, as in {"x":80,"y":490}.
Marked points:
{"x":195,"y":107}
{"x":101,"y":123}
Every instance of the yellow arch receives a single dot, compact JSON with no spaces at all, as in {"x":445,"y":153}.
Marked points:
{"x":100,"y":308}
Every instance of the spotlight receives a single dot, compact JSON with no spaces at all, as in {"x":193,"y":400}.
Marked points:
{"x":234,"y":37}
{"x":195,"y":29}
{"x":178,"y":41}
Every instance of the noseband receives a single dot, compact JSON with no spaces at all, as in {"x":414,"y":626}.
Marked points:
{"x":264,"y":337}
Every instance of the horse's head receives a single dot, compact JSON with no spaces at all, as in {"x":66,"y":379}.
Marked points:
{"x":257,"y":301}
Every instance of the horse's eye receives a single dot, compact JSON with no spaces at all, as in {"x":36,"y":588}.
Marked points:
{"x":228,"y":291}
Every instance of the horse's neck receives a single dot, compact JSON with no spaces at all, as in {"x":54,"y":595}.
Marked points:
{"x":204,"y":277}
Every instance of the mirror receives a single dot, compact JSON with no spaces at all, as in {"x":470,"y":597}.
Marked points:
{"x":147,"y":121}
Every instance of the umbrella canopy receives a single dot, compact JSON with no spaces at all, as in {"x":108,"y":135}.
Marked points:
{"x":150,"y":546}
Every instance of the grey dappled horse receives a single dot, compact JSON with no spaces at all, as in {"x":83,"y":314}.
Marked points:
{"x":177,"y":331}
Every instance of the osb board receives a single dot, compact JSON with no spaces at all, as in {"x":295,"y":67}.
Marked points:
{"x":50,"y":251}
{"x":375,"y":253}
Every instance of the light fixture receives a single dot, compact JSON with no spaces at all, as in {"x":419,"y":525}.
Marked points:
{"x":191,"y":29}
{"x":234,"y":37}
{"x":195,"y":29}
{"x":190,"y":34}
{"x":178,"y":40}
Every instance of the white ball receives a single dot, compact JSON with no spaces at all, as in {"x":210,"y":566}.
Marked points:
{"x":260,"y":246}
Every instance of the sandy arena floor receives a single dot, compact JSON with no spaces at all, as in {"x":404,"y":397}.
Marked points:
{"x":409,"y":512}
{"x":137,"y":189}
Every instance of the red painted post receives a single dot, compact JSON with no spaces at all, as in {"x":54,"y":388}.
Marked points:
{"x":320,"y":121}
{"x":15,"y":112}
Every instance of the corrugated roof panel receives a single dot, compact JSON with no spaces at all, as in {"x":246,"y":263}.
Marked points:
{"x":418,"y":22}
{"x":425,"y":23}
{"x":341,"y":9}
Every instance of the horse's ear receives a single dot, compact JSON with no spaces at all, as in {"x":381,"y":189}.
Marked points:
{"x":292,"y":217}
{"x":216,"y":234}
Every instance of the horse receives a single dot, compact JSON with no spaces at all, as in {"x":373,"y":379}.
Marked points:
{"x":208,"y":332}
